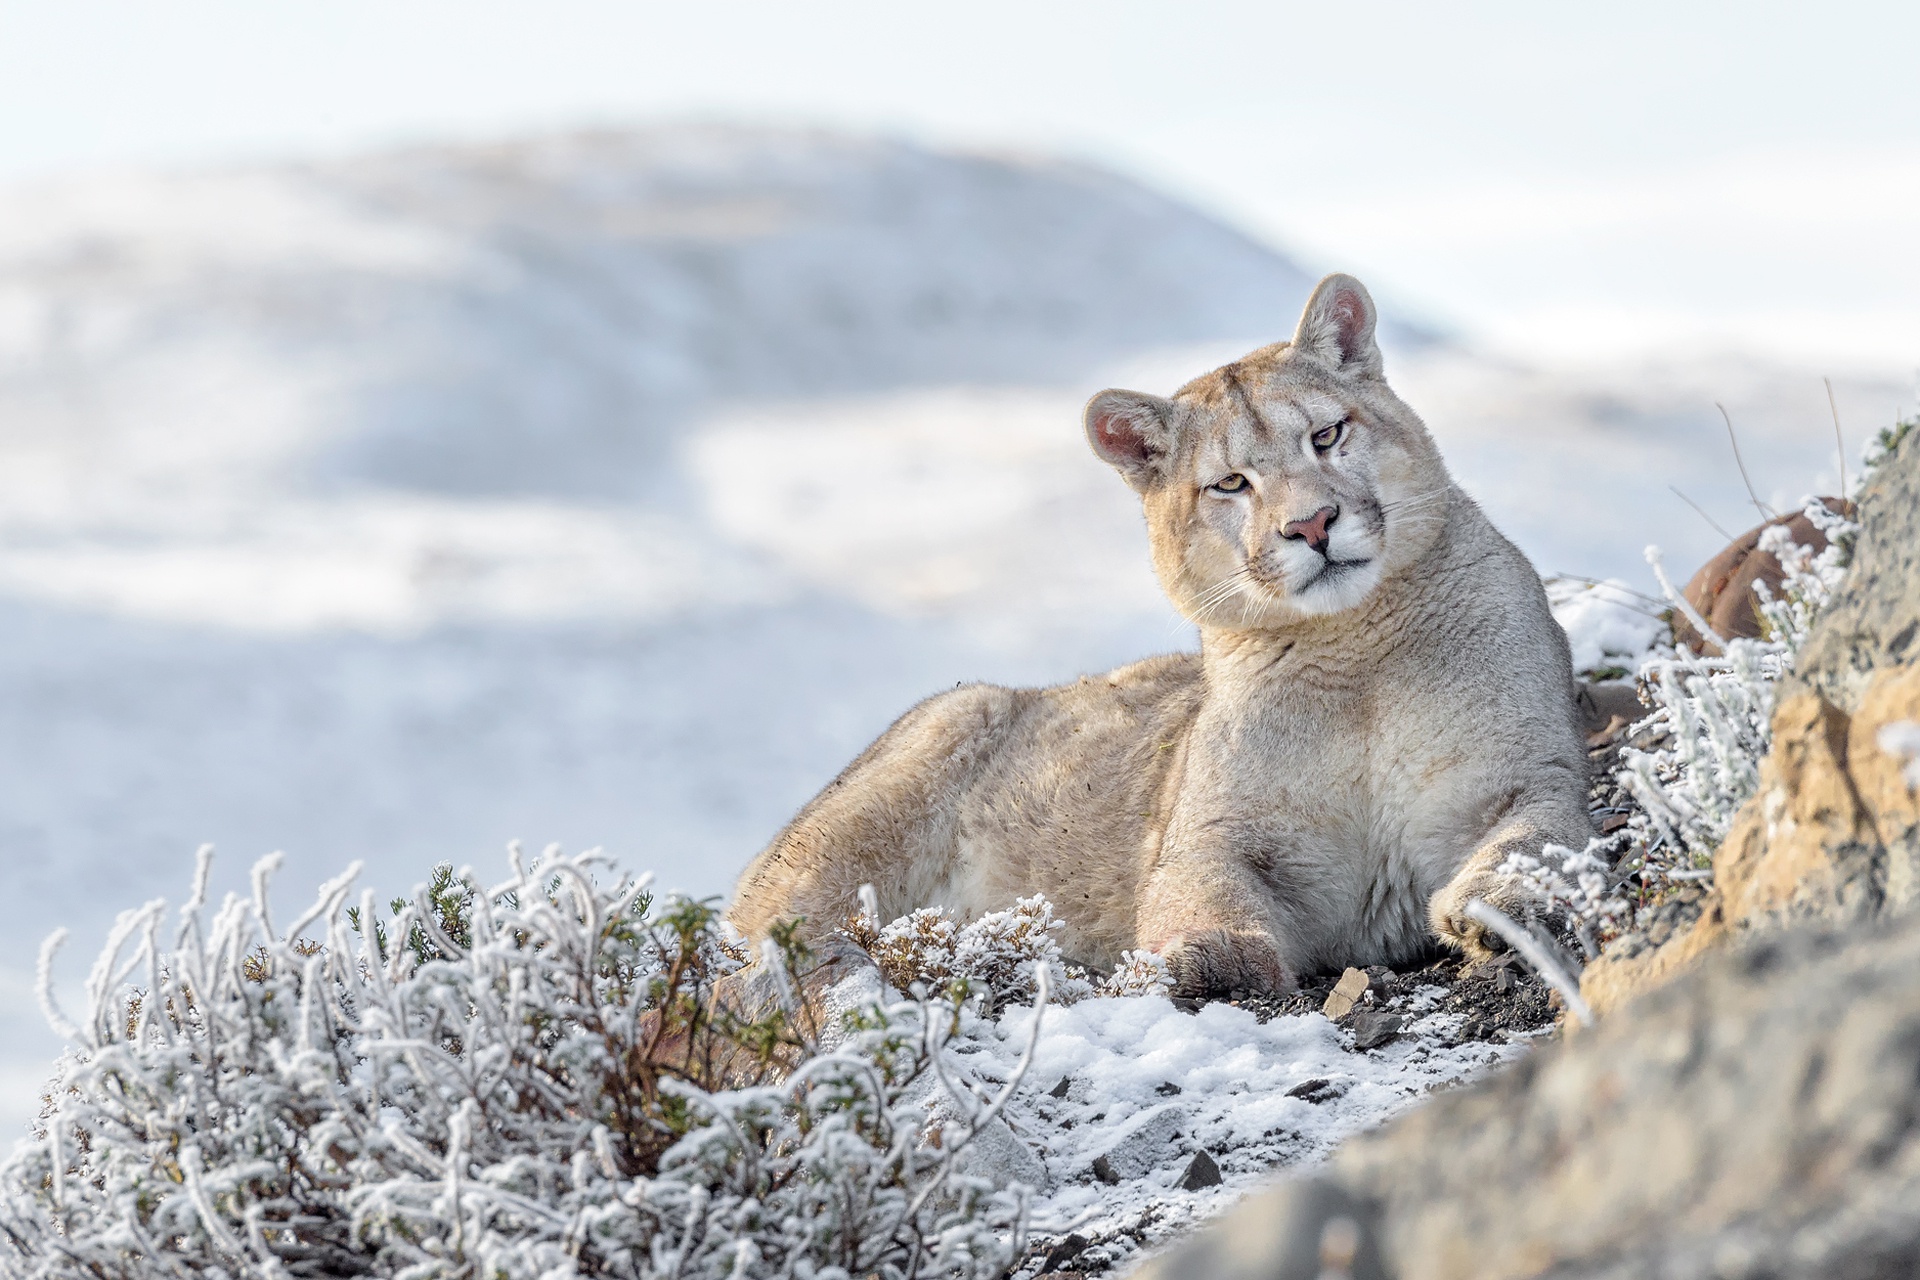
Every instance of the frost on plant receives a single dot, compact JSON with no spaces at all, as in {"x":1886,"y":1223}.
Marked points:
{"x":1139,"y":973}
{"x":1715,"y":715}
{"x":997,"y":958}
{"x":529,"y":1079}
{"x":1579,"y":891}
{"x":1702,"y":746}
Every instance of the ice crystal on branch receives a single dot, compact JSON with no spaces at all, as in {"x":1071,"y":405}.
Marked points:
{"x":1714,"y":714}
{"x":998,"y":957}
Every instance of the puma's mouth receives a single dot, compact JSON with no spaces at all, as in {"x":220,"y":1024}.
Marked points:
{"x":1332,"y":570}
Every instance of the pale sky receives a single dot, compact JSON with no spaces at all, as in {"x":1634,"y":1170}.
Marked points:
{"x":1557,"y":180}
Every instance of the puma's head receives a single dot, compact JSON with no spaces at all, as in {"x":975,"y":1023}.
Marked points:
{"x":1287,"y":484}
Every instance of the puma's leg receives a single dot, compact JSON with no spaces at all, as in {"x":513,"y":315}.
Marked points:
{"x":1213,"y":928}
{"x":1480,"y":877}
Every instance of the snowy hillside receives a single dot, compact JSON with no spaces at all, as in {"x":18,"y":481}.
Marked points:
{"x":616,"y":488}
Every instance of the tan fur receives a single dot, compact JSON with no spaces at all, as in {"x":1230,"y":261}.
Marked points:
{"x":1365,"y":734}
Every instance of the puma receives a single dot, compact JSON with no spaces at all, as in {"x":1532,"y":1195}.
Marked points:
{"x":1381,"y":711}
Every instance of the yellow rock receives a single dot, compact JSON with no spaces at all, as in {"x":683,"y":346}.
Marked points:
{"x":1346,"y":993}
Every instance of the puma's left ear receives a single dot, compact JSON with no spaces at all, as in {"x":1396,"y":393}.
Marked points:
{"x":1337,"y":326}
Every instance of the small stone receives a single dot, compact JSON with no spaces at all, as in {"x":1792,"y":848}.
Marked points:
{"x":1188,"y":1004}
{"x":1318,"y":1090}
{"x":1371,"y":1030}
{"x":1346,"y":994}
{"x":1103,"y":1169}
{"x":1201,"y":1172}
{"x":1060,"y":1090}
{"x":1166,"y":1088}
{"x":1063,"y":1253}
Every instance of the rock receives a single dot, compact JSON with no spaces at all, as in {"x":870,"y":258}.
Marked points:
{"x":1314,"y":1090}
{"x":1103,"y":1170}
{"x":1346,"y":993}
{"x":1143,"y":1143}
{"x":1605,"y":704}
{"x":1722,"y":592}
{"x":1060,"y":1090}
{"x":999,"y":1155}
{"x":1201,"y":1172}
{"x":1167,"y":1089}
{"x":1373,"y":1029}
{"x":1063,"y":1253}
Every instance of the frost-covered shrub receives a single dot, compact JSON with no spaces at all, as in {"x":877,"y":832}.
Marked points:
{"x":1139,"y":973}
{"x":1709,"y":731}
{"x":1575,"y":887}
{"x":1714,"y":715}
{"x":999,"y":957}
{"x":515,"y":1081}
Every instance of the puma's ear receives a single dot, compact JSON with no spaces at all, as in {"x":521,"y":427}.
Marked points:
{"x":1133,"y":432}
{"x":1337,"y":326}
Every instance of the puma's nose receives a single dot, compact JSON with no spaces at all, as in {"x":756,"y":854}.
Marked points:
{"x":1312,"y":530}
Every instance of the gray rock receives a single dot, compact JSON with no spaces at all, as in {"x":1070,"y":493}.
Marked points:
{"x":1373,"y":1029}
{"x":1144,"y":1143}
{"x":1201,"y":1172}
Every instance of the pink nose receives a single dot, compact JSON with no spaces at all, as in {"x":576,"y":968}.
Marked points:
{"x":1312,"y":530}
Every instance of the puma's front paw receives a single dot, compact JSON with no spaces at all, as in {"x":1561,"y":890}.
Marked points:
{"x":1448,"y":911}
{"x":1218,"y":963}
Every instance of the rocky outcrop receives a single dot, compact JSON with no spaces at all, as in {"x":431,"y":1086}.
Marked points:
{"x":1750,"y":1106}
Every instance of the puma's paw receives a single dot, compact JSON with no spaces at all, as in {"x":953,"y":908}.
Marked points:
{"x":1448,"y":911}
{"x":1219,"y":962}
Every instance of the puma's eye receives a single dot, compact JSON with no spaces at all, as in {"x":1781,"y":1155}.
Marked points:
{"x":1327,"y":437}
{"x":1231,"y":484}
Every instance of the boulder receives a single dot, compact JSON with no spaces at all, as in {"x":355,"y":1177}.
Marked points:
{"x":1723,"y":591}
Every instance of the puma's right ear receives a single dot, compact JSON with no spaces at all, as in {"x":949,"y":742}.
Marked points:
{"x":1133,"y":432}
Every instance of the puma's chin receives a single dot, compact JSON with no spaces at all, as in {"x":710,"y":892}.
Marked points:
{"x":1340,"y":585}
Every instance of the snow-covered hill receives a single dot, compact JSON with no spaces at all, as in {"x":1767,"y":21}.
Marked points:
{"x":615,"y":488}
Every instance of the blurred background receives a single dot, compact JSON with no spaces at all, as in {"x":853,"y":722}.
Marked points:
{"x":430,"y":424}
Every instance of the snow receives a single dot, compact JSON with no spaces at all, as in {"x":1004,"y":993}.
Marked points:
{"x":1609,"y":625}
{"x":1901,"y":740}
{"x":616,"y":489}
{"x":1217,"y":1080}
